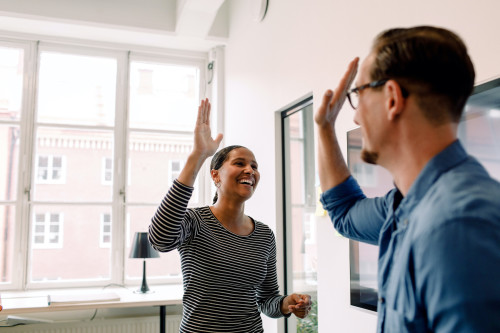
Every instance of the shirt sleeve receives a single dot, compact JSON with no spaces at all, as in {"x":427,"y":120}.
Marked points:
{"x":353,"y":215}
{"x":268,"y":296}
{"x":173,"y":224}
{"x":457,"y":276}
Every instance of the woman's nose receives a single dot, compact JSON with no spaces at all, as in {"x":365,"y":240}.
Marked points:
{"x":249,"y":170}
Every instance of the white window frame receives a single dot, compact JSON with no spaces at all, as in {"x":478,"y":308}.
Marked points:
{"x":172,"y":175}
{"x":105,"y":171}
{"x":32,"y":46}
{"x":103,"y":233}
{"x":47,"y":232}
{"x":50,"y":169}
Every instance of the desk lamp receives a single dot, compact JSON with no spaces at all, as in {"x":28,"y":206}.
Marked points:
{"x":142,"y":249}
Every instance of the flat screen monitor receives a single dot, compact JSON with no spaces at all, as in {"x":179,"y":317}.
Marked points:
{"x":479,"y":133}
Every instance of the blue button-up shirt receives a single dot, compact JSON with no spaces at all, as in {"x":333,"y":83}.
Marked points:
{"x":439,"y":247}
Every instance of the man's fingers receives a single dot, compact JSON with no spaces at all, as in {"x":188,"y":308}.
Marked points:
{"x":349,"y":76}
{"x":327,"y":98}
{"x":324,"y":107}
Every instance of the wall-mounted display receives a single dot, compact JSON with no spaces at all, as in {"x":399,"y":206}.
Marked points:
{"x":478,"y":131}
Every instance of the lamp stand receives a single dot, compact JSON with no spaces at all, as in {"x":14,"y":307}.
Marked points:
{"x":144,"y":287}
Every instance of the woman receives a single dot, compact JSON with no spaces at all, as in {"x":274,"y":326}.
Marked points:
{"x":228,"y":259}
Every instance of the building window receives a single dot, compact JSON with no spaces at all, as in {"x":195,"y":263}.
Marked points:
{"x":51,"y":169}
{"x":174,"y":172}
{"x":107,"y":171}
{"x":105,"y":230}
{"x":175,"y":169}
{"x":47,"y":230}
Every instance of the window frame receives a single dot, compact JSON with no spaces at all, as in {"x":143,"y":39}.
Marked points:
{"x":24,"y":204}
{"x":103,"y":233}
{"x":50,"y":170}
{"x":47,"y":233}
{"x":202,"y":178}
{"x":283,"y":187}
{"x":105,"y":170}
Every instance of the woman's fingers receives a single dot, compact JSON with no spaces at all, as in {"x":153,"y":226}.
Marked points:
{"x":203,"y":112}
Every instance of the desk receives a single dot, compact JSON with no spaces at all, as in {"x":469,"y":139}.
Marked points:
{"x":15,"y":303}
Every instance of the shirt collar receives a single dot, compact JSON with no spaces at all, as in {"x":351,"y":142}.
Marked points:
{"x":449,"y":157}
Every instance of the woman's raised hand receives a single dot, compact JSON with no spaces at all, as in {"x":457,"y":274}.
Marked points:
{"x":204,"y":145}
{"x":203,"y":142}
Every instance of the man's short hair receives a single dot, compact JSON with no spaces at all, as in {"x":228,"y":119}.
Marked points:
{"x":429,"y":62}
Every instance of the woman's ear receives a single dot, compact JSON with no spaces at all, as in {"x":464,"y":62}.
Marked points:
{"x":394,"y":100}
{"x":215,"y":175}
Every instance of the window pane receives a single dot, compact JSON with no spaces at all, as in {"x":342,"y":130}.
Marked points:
{"x":9,"y":157}
{"x":43,"y":161}
{"x":57,"y":162}
{"x":7,"y":235}
{"x":69,"y":247}
{"x":150,"y":157}
{"x":74,"y":164}
{"x":163,"y":96}
{"x":76,"y":89}
{"x":167,"y":266}
{"x":303,"y":226}
{"x":11,"y":83}
{"x":300,"y":209}
{"x":105,"y":230}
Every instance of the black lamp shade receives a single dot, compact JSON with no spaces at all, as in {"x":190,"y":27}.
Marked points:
{"x":141,"y":248}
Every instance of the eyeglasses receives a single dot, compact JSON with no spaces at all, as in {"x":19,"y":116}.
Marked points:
{"x":353,"y":94}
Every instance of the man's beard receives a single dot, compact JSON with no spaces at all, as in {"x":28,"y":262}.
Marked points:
{"x":369,"y":157}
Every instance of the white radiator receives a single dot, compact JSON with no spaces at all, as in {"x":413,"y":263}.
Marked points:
{"x":122,"y":325}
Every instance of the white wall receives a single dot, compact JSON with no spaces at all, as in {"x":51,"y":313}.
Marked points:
{"x":301,"y":46}
{"x":304,"y":46}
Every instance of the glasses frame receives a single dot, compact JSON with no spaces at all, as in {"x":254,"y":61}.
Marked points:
{"x":356,"y":90}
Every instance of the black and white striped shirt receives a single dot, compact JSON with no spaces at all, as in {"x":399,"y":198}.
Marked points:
{"x":228,"y":278}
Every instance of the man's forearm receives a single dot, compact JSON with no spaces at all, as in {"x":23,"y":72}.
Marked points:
{"x":331,"y":165}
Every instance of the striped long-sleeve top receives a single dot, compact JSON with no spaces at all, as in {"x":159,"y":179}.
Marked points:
{"x":228,"y":278}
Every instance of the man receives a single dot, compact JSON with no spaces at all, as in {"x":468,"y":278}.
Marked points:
{"x":438,"y":230}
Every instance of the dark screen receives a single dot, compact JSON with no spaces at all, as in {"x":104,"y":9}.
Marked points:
{"x":479,"y":133}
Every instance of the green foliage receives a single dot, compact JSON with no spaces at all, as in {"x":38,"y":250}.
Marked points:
{"x":310,"y":323}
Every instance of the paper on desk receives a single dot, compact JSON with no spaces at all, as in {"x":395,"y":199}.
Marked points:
{"x":83,"y":298}
{"x":24,"y":302}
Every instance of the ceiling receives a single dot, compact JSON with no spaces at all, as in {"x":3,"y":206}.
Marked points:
{"x":177,"y":24}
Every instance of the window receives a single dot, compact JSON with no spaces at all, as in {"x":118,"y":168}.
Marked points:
{"x":12,"y":66}
{"x":107,"y":171}
{"x":174,"y":172}
{"x":47,"y":230}
{"x":299,"y":201}
{"x":50,"y":170}
{"x":164,"y":100}
{"x":94,"y":117}
{"x":105,"y":230}
{"x":175,"y":169}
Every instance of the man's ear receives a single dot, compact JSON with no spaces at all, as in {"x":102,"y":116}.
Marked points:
{"x":395,"y":102}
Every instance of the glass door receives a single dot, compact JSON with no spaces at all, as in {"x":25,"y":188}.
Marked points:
{"x":299,"y":208}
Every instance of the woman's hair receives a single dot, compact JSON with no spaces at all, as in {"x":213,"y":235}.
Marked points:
{"x":219,"y":158}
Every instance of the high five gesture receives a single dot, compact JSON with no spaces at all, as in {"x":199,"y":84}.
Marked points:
{"x":204,"y":145}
